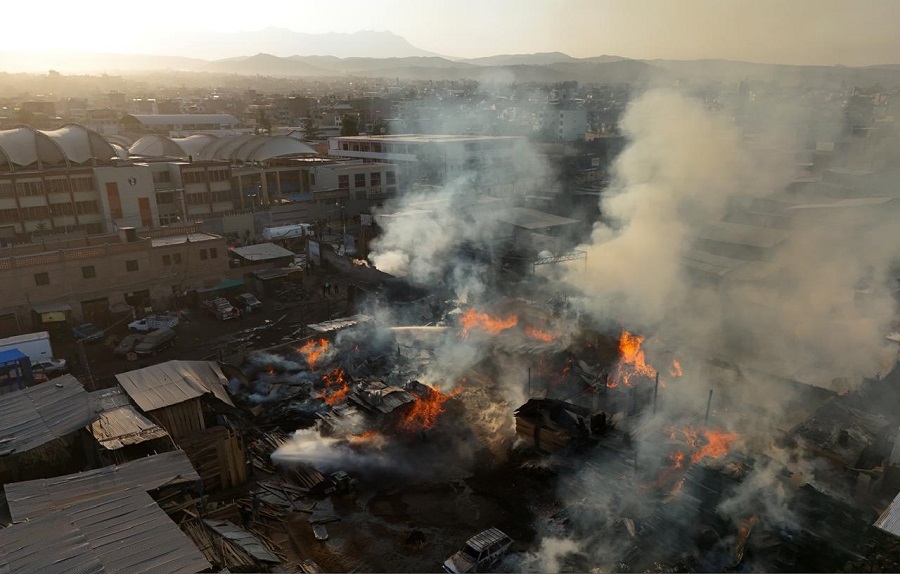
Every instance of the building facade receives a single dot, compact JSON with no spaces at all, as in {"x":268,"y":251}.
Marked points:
{"x":90,"y":279}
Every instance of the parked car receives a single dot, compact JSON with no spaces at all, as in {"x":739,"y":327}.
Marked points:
{"x":50,"y":367}
{"x":246,"y":301}
{"x":221,"y":308}
{"x":480,"y":553}
{"x":156,"y":341}
{"x":153,"y":322}
{"x":127,"y":345}
{"x":88,"y":332}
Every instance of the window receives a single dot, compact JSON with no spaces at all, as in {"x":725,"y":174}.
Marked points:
{"x":162,"y":177}
{"x":82,"y":183}
{"x":359,"y":180}
{"x":88,"y":272}
{"x":312,"y":179}
{"x":177,"y":258}
{"x":41,"y":278}
{"x":7,"y":189}
{"x":28,"y":188}
{"x":9,"y":215}
{"x":376,"y":178}
{"x":57,"y":185}
{"x":167,"y":259}
{"x":390,"y":177}
{"x":131,"y":265}
{"x":343,"y":181}
{"x":165,"y":198}
{"x":85,"y":207}
{"x":203,"y":254}
{"x":213,"y":253}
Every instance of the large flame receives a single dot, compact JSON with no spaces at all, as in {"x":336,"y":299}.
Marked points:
{"x":425,"y":411}
{"x":313,"y":350}
{"x":632,"y":363}
{"x":707,"y":442}
{"x":675,"y":370}
{"x":539,"y":335}
{"x":336,"y":386}
{"x":472,"y":319}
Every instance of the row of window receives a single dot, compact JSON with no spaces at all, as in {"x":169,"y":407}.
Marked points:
{"x":200,"y":176}
{"x":45,"y":212}
{"x":87,"y":272}
{"x":359,"y":179}
{"x":9,"y":189}
{"x":207,"y":197}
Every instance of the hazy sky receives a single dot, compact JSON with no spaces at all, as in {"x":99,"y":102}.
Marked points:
{"x":847,"y":32}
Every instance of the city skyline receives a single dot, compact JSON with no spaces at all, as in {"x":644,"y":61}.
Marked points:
{"x":828,"y":32}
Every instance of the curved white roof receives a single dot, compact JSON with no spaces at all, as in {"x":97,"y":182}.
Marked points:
{"x":238,"y":148}
{"x":156,"y":146}
{"x":26,"y":147}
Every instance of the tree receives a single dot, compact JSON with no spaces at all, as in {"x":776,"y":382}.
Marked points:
{"x":349,"y":125}
{"x":380,"y":128}
{"x":311,"y":130}
{"x":263,"y":123}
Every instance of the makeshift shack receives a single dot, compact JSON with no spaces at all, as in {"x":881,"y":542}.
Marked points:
{"x":173,"y":394}
{"x":42,"y":430}
{"x":121,"y":432}
{"x":555,"y":426}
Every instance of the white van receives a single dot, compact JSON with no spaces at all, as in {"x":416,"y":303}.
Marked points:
{"x":480,"y":553}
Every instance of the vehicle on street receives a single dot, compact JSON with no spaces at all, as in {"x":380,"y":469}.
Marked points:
{"x":127,"y":345}
{"x":51,"y":367}
{"x":88,"y":332}
{"x":36,"y":346}
{"x":153,"y":322}
{"x":221,"y":309}
{"x":156,"y":342}
{"x":481,"y":552}
{"x":247,"y":301}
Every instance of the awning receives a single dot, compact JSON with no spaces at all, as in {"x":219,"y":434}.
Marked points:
{"x":53,"y":312}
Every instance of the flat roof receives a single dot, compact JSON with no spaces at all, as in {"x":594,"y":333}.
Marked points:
{"x":262,"y":252}
{"x":532,"y":218}
{"x":425,"y":138}
{"x":844,"y":203}
{"x":179,"y":239}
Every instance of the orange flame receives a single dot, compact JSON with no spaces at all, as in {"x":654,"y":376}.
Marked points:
{"x":337,"y":385}
{"x":313,"y":351}
{"x":675,"y":370}
{"x":473,"y":319}
{"x":632,"y":364}
{"x":542,"y":336}
{"x":364,"y":436}
{"x":717,"y":444}
{"x":425,"y":411}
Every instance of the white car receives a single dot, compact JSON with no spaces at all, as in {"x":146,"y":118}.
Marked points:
{"x":480,"y":553}
{"x":153,"y":322}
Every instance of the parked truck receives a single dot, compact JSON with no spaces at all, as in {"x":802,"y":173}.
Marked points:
{"x":154,"y":322}
{"x":221,"y":308}
{"x":36,"y":346}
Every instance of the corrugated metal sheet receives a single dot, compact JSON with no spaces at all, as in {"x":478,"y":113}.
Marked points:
{"x":338,"y":324}
{"x":242,"y":538}
{"x":123,"y":531}
{"x":889,"y":521}
{"x":262,"y":252}
{"x":35,"y":498}
{"x":42,"y":413}
{"x":173,"y":382}
{"x":123,"y":426}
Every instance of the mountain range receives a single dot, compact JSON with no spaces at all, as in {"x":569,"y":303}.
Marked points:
{"x":390,"y":56}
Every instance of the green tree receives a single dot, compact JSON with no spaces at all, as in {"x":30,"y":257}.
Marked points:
{"x":349,"y":125}
{"x":311,"y":130}
{"x":380,"y":128}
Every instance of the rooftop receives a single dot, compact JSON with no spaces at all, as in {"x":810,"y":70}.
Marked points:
{"x":180,"y":239}
{"x":532,"y":218}
{"x":425,"y":138}
{"x":37,"y":415}
{"x":262,"y":252}
{"x":174,"y":382}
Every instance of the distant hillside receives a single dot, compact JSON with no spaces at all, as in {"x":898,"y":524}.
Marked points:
{"x":266,"y":65}
{"x":283,"y":42}
{"x":539,"y":59}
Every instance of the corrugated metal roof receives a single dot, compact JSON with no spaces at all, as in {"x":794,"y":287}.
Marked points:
{"x":174,"y":382}
{"x":33,"y":498}
{"x":179,"y":239}
{"x":242,"y":538}
{"x":889,"y":521}
{"x":123,"y":531}
{"x":122,"y":426}
{"x":262,"y":252}
{"x":740,"y":234}
{"x":39,"y":414}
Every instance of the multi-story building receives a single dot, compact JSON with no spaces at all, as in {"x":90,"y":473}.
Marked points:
{"x":440,"y":158}
{"x":179,"y":125}
{"x":563,"y":124}
{"x":92,"y":278}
